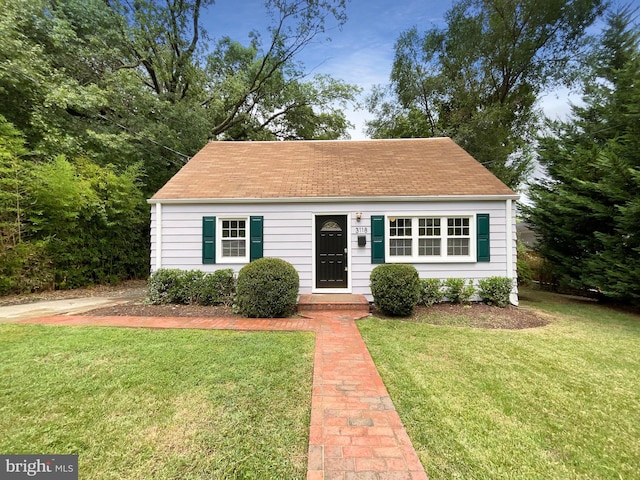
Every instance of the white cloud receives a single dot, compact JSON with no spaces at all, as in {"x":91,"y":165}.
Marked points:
{"x":362,"y":51}
{"x":556,"y":105}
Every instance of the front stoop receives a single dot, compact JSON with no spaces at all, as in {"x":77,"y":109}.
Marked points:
{"x":333,"y":301}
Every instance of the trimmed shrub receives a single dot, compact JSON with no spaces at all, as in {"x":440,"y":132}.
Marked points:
{"x":431,"y":291}
{"x":217,"y":288}
{"x":395,"y":288}
{"x":188,"y":287}
{"x":496,"y":290}
{"x":165,"y":286}
{"x":267,"y":288}
{"x":458,"y":291}
{"x":171,"y":285}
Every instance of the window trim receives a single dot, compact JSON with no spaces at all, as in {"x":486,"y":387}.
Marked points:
{"x":220,"y":258}
{"x":443,"y":257}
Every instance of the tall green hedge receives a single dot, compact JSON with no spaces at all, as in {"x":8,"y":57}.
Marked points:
{"x":66,"y":224}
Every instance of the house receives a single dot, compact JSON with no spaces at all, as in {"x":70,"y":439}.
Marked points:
{"x":335,"y":210}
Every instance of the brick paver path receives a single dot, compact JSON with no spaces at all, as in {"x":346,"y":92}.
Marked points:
{"x":355,"y":431}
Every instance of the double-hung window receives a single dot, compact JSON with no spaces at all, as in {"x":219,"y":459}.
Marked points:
{"x":233,"y":240}
{"x":429,"y":237}
{"x":425,"y":238}
{"x":458,"y":236}
{"x":400,"y":237}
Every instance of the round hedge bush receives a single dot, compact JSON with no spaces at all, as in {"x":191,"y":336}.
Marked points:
{"x":267,"y":288}
{"x":395,"y":288}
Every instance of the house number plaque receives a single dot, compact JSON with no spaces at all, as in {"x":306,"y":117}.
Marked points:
{"x":362,"y":230}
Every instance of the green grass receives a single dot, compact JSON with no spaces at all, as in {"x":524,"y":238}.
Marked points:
{"x":138,"y":404}
{"x":555,"y":402}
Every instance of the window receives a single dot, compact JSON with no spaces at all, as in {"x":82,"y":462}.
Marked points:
{"x":458,"y":236}
{"x":234,"y":238}
{"x":400,"y":237}
{"x":430,"y":239}
{"x":428,"y":236}
{"x":331,"y":226}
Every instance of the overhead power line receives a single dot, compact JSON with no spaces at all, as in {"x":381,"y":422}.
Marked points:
{"x":137,"y":135}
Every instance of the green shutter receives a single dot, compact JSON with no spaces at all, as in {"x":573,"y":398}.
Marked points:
{"x":482,"y":233}
{"x":377,"y":238}
{"x":255,"y":232}
{"x":208,"y":239}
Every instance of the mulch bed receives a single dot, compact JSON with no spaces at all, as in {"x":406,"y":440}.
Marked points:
{"x":476,"y":315}
{"x":479,"y":315}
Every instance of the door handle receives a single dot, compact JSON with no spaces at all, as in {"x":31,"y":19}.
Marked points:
{"x":346,"y":264}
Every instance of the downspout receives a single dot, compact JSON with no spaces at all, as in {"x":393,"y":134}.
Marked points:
{"x":158,"y":236}
{"x":509,"y":225}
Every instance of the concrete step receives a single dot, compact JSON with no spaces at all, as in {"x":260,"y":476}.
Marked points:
{"x":333,"y":301}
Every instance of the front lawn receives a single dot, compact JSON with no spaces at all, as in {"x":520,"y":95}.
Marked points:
{"x":560,"y":401}
{"x":139,"y":404}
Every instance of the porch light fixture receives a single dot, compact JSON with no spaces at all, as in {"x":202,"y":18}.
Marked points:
{"x":358,"y":216}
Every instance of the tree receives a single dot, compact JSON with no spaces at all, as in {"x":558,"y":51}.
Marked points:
{"x":124,"y":82}
{"x":24,"y":266}
{"x":477,"y":80}
{"x":587,"y":212}
{"x":104,"y":100}
{"x":262,"y":92}
{"x":258,"y":102}
{"x":92,"y":219}
{"x":13,"y":181}
{"x":163,"y":41}
{"x":23,"y":68}
{"x":247,"y":92}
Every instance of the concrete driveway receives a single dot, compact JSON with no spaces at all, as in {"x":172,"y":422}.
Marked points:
{"x":56,"y":307}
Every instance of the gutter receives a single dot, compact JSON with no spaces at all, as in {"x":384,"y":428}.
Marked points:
{"x":428,"y":198}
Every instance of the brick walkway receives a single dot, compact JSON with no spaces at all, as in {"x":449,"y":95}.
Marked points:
{"x":355,"y":431}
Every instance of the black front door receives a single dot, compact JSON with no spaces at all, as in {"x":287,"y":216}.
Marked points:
{"x":331,"y":251}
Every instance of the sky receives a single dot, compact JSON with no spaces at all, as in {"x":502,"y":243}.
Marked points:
{"x":361,"y":52}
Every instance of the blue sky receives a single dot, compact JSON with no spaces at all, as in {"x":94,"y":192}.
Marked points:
{"x":361,"y":52}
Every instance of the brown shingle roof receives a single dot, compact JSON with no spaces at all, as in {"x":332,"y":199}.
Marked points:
{"x":325,"y":169}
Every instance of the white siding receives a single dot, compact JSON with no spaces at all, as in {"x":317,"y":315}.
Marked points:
{"x":289,"y":232}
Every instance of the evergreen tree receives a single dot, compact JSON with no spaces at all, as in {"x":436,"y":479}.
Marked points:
{"x":587,"y":212}
{"x":477,"y":80}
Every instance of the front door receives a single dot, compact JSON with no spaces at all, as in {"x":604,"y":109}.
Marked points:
{"x":331,"y":251}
